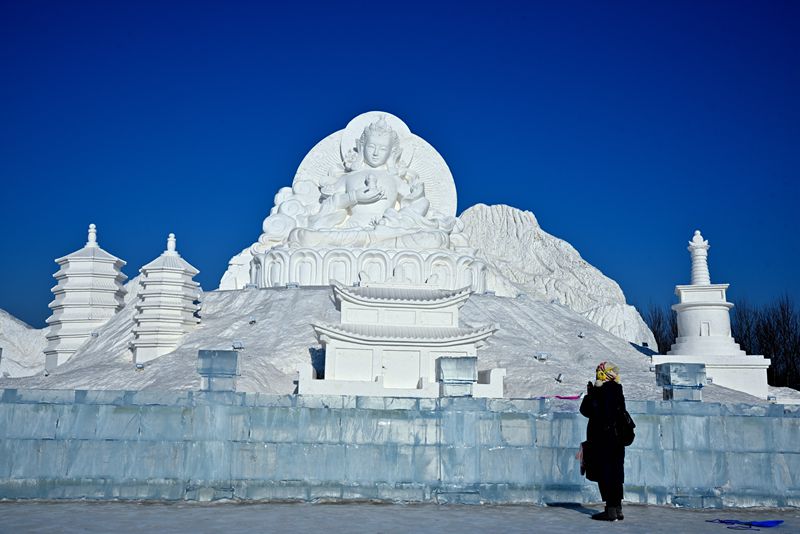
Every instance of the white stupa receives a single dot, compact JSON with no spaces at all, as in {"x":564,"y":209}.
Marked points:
{"x":704,"y":331}
{"x":88,"y":293}
{"x":166,"y":308}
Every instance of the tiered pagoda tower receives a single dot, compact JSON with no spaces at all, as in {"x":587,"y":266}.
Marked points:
{"x":88,"y":293}
{"x":166,"y":308}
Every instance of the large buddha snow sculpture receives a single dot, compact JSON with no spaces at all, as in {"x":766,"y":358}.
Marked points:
{"x":371,"y":199}
{"x":376,"y":201}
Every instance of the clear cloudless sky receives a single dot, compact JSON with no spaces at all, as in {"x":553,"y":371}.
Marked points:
{"x":623,"y":126}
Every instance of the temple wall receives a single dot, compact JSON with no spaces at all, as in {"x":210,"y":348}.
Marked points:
{"x":183,"y":445}
{"x":310,"y":267}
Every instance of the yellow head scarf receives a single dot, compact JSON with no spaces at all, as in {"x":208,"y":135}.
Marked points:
{"x":606,"y":372}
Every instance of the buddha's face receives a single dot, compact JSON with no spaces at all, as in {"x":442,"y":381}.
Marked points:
{"x":377,"y":149}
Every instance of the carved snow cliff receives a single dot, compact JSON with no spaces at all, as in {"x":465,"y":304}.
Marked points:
{"x":22,"y":347}
{"x":523,"y":257}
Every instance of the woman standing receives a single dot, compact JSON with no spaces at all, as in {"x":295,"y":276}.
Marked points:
{"x":602,"y":404}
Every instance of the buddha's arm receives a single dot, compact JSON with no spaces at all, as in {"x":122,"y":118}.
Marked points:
{"x":342,"y":200}
{"x":348,"y":199}
{"x":336,"y":197}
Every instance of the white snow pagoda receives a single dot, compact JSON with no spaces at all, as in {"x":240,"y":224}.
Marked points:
{"x":704,"y":331}
{"x":88,"y":293}
{"x":399,"y":340}
{"x":167,"y":305}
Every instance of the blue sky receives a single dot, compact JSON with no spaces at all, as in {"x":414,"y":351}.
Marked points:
{"x":622,"y":126}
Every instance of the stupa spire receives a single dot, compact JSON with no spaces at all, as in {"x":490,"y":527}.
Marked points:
{"x":698,"y":248}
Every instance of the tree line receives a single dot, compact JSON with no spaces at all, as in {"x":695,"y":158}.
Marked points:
{"x":771,"y":330}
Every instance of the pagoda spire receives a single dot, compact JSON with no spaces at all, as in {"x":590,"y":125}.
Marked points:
{"x":92,"y":238}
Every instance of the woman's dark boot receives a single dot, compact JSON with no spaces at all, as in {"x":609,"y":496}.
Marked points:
{"x":609,"y":514}
{"x":619,"y":513}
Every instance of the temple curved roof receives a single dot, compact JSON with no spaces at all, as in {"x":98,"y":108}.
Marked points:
{"x":371,"y":295}
{"x":405,"y":335}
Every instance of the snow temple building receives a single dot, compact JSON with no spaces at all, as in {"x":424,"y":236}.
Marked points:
{"x":401,"y":341}
{"x":167,"y":305}
{"x":704,"y":331}
{"x":88,"y":293}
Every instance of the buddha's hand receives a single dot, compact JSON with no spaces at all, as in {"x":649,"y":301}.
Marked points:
{"x":350,"y":160}
{"x":417,"y":190}
{"x":368,"y":196}
{"x":327,"y":190}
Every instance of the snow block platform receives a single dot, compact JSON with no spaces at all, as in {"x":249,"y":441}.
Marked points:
{"x":203,"y":446}
{"x":681,"y":381}
{"x":218,"y":369}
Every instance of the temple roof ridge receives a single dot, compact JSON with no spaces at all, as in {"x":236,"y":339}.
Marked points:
{"x":406,"y":334}
{"x":382,"y":294}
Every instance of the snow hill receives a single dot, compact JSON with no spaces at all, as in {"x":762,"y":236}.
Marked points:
{"x":281,"y":340}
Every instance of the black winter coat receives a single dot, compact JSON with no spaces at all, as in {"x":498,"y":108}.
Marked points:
{"x":601,"y":405}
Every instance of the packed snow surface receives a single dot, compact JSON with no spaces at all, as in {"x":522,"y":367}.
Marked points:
{"x":281,"y":339}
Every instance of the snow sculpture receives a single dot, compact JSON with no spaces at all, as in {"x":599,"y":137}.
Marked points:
{"x":390,"y":339}
{"x":704,"y":331}
{"x":372,"y":200}
{"x":166,"y":308}
{"x":376,"y":200}
{"x":88,"y":293}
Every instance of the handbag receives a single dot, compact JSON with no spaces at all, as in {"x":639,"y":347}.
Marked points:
{"x":589,"y":464}
{"x":623,"y":428}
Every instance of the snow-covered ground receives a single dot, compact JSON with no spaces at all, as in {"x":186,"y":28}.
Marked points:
{"x":94,"y":517}
{"x":281,"y":340}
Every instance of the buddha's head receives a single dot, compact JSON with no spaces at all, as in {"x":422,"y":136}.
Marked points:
{"x":378,"y":142}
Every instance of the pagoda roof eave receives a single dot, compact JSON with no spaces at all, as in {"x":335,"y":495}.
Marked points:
{"x":89,"y":253}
